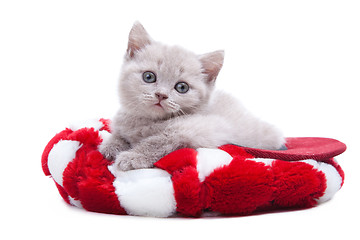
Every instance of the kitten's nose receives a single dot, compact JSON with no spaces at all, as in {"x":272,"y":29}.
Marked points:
{"x":161,"y":96}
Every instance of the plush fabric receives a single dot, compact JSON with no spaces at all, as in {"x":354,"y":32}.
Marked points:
{"x":190,"y":182}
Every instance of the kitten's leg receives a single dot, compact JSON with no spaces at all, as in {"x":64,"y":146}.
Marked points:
{"x":112,"y":146}
{"x":195,"y":131}
{"x":266,"y":136}
{"x":146,"y":153}
{"x":192,"y":131}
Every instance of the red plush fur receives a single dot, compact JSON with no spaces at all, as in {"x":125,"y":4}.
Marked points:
{"x":178,"y":160}
{"x":88,"y":173}
{"x":95,"y":178}
{"x":187,"y":189}
{"x":297,"y":184}
{"x":245,"y":185}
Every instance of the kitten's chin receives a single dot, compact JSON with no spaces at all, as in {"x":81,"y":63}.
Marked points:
{"x":155,"y":112}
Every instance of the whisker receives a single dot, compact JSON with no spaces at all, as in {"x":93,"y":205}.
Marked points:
{"x":182,"y":112}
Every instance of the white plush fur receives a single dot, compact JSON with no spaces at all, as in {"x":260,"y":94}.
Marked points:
{"x":105,"y":135}
{"x":60,"y":155}
{"x":209,"y":159}
{"x":75,"y":203}
{"x":266,"y":161}
{"x":91,"y":123}
{"x":333,"y":179}
{"x":146,"y":192}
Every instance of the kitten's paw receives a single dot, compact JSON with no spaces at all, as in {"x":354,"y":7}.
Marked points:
{"x":129,"y":160}
{"x":273,"y":139}
{"x":109,"y":151}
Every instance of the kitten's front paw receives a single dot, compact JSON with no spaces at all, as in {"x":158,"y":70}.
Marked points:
{"x":109,"y":151}
{"x":273,"y":139}
{"x":128,"y":160}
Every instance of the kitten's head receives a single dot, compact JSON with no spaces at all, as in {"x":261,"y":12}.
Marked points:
{"x":160,"y":81}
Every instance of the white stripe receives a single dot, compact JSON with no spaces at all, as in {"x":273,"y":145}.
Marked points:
{"x":104,"y":135}
{"x":145,"y":192}
{"x":75,"y":203}
{"x":266,"y":161}
{"x":59,"y":157}
{"x":91,"y":123}
{"x":209,"y":159}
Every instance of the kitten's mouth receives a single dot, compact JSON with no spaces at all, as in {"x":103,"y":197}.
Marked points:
{"x":159,"y":105}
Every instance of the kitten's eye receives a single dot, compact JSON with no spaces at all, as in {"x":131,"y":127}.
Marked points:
{"x":182,"y":87}
{"x":149,"y":77}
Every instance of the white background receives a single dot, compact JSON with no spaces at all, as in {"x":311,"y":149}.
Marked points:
{"x":293,"y":63}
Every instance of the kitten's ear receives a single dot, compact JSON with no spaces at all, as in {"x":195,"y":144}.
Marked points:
{"x":211,"y":64}
{"x":138,"y":38}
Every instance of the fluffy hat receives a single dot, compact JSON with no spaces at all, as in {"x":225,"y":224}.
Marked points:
{"x":190,"y":182}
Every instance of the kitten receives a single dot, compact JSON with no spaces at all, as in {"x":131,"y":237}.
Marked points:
{"x":169,"y":102}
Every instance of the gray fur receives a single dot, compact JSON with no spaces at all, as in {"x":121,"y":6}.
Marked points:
{"x":143,"y":132}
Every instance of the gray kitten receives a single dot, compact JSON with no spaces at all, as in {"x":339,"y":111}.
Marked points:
{"x":169,"y":102}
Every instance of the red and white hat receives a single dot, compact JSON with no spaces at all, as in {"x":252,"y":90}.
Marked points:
{"x":228,"y":180}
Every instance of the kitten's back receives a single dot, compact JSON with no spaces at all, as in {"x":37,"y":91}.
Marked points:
{"x":247,"y":129}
